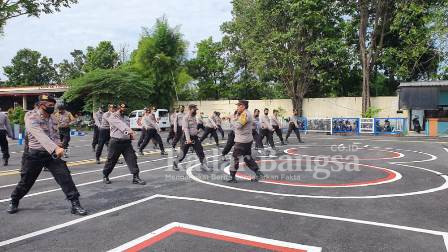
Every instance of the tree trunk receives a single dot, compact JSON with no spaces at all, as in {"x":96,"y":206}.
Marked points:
{"x":297,"y":103}
{"x":365,"y":61}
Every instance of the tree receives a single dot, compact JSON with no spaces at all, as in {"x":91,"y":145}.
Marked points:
{"x":33,"y":8}
{"x":209,"y":69}
{"x":159,"y":57}
{"x":287,"y":41}
{"x":71,"y":70}
{"x":103,"y":86}
{"x":103,"y":56}
{"x":28,"y":67}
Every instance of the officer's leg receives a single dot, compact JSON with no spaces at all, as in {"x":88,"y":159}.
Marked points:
{"x":270,"y":139}
{"x":297,"y":131}
{"x":183,"y":150}
{"x":95,"y":140}
{"x":290,"y":129}
{"x":61,"y":174}
{"x":207,"y":131}
{"x":229,"y":144}
{"x":30,"y":172}
{"x":101,"y":142}
{"x":215,"y":136}
{"x":4,"y":146}
{"x":130,"y":158}
{"x":178,"y":136}
{"x":237,"y":152}
{"x":145,"y":140}
{"x":278,"y":131}
{"x":197,"y":146}
{"x":115,"y":150}
{"x":159,"y":141}
{"x":142,"y":138}
{"x":250,"y":162}
{"x":221,"y":130}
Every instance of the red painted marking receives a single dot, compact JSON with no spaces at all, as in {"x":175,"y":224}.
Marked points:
{"x":390,"y":176}
{"x":212,"y":236}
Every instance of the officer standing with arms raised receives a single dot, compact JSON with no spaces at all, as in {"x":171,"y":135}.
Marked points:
{"x":44,"y":151}
{"x":190,"y":139}
{"x":104,"y":132}
{"x":151,"y":129}
{"x":5,"y":130}
{"x":242,"y":125}
{"x":64,"y":120}
{"x":121,"y":136}
{"x":97,"y":116}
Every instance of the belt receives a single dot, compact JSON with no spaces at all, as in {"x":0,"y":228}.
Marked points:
{"x":119,"y":140}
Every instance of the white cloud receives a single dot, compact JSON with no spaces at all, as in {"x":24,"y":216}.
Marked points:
{"x":91,"y":21}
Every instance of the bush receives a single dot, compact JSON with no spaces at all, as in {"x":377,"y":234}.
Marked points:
{"x":371,"y":112}
{"x":17,"y":116}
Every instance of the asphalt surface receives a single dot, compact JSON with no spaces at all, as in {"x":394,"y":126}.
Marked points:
{"x":331,"y":193}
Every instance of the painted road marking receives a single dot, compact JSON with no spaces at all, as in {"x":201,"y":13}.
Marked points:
{"x":223,"y":203}
{"x":168,"y":230}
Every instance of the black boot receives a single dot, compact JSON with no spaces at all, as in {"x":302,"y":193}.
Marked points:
{"x":13,"y":207}
{"x":77,"y":208}
{"x":232,"y":179}
{"x":5,"y":162}
{"x":258,"y":175}
{"x":163,"y":153}
{"x":176,"y":165}
{"x":141,"y":153}
{"x":137,"y":180}
{"x":106,"y":180}
{"x":98,"y":161}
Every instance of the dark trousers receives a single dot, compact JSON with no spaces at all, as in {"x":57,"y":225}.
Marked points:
{"x":177,"y":136}
{"x":292,"y":127}
{"x":221,"y":131}
{"x":119,"y":147}
{"x":257,"y":139}
{"x":4,"y":144}
{"x":96,"y":132}
{"x":64,"y":135}
{"x":170,"y":134}
{"x":201,"y":126}
{"x":230,"y":142}
{"x":278,"y":131}
{"x":268,"y":134}
{"x":197,"y":147}
{"x":104,"y":137}
{"x":152,"y":134}
{"x":211,"y":131}
{"x":243,"y":150}
{"x":142,"y":138}
{"x":26,"y":150}
{"x":34,"y":162}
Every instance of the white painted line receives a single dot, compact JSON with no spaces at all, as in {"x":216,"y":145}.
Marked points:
{"x":217,"y":232}
{"x":446,"y":149}
{"x":73,"y":222}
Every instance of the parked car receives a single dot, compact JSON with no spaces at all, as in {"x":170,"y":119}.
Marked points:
{"x":162,"y":116}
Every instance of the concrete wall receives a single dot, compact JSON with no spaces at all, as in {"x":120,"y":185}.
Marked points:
{"x":312,"y":107}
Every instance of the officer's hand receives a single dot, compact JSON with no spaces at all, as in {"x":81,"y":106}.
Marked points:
{"x":189,"y":141}
{"x":59,"y":152}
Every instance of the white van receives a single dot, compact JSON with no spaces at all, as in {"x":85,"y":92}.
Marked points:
{"x":162,"y":116}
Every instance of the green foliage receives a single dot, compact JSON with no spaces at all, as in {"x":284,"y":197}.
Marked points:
{"x":28,"y":67}
{"x":371,"y":112}
{"x":159,"y":58}
{"x":17,"y":116}
{"x":103,"y":56}
{"x":71,"y":70}
{"x":103,"y":86}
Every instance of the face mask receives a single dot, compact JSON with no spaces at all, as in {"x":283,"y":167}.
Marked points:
{"x":49,"y":110}
{"x":193,"y":113}
{"x":266,"y":113}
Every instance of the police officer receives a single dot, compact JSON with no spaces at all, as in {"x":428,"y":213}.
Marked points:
{"x":5,"y":130}
{"x":143,"y":131}
{"x":242,"y":124}
{"x":44,"y":151}
{"x":64,"y":120}
{"x":178,"y":126}
{"x":190,"y":139}
{"x":97,"y":117}
{"x":294,"y":126}
{"x":266,"y":128}
{"x":218,"y":121}
{"x":201,"y":122}
{"x":210,"y":128}
{"x":230,"y":139}
{"x":121,"y":136}
{"x":256,"y":131}
{"x":104,"y":132}
{"x":276,"y":125}
{"x":152,"y":129}
{"x":172,"y":119}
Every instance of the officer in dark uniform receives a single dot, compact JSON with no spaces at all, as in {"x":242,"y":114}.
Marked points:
{"x":294,"y":126}
{"x":121,"y":136}
{"x":97,"y":117}
{"x":242,"y":124}
{"x":104,"y":131}
{"x":190,"y":139}
{"x":44,"y":151}
{"x":230,"y":140}
{"x":5,"y":130}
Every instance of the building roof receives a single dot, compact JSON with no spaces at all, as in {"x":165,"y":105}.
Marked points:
{"x":439,"y":83}
{"x":8,"y":91}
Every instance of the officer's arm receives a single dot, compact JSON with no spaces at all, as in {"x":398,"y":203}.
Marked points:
{"x":119,"y":124}
{"x":175,"y":124}
{"x":156,"y":123}
{"x":213,"y":122}
{"x":8,"y":127}
{"x":269,"y":124}
{"x":33,"y":127}
{"x":185,"y":129}
{"x":240,"y":121}
{"x":96,"y":119}
{"x":71,"y":118}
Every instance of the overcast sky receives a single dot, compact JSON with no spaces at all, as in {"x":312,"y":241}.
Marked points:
{"x":120,"y":21}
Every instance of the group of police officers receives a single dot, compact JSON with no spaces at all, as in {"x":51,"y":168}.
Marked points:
{"x":48,"y":136}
